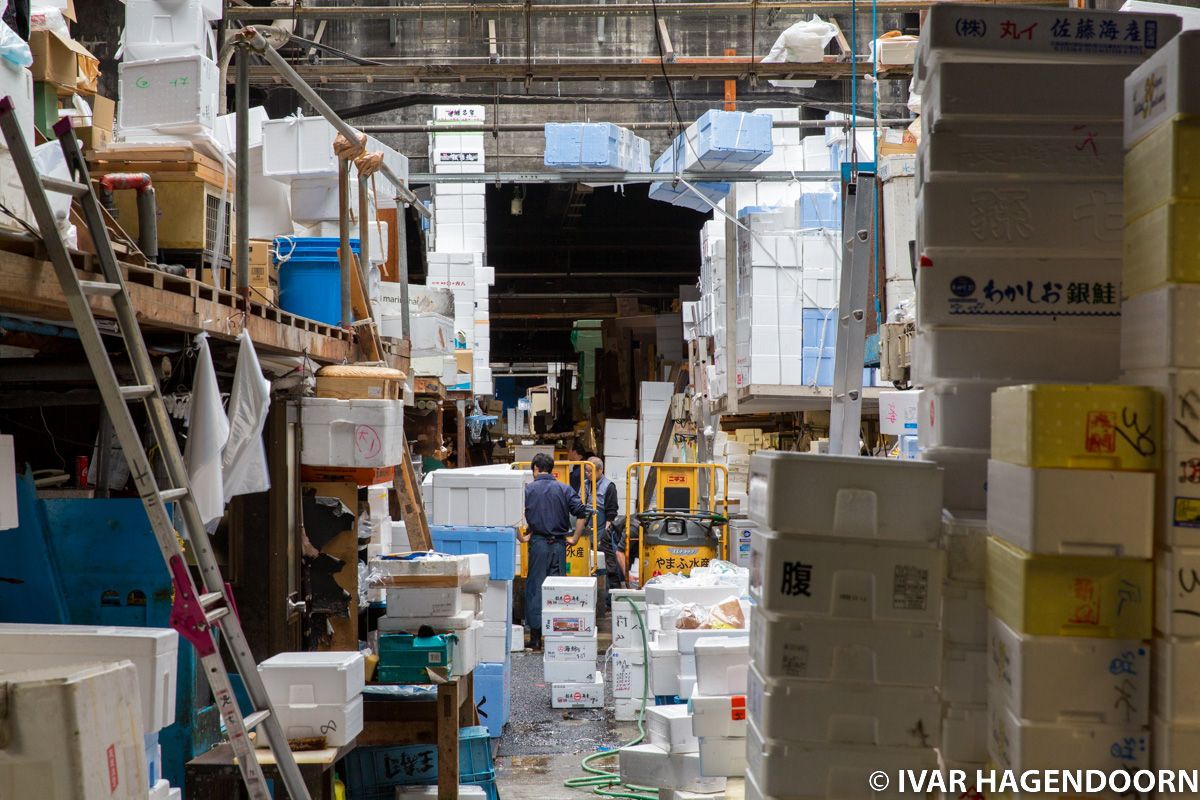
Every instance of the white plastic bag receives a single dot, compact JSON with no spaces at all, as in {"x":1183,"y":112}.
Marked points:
{"x":13,"y":49}
{"x":802,"y":43}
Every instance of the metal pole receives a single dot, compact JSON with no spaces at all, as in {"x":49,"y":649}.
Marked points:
{"x":538,"y":127}
{"x":402,"y":261}
{"x":242,"y":187}
{"x":344,"y":253}
{"x":731,"y":289}
{"x":364,"y":247}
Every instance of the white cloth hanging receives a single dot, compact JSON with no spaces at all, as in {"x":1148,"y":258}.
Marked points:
{"x":244,"y":460}
{"x":208,"y":430}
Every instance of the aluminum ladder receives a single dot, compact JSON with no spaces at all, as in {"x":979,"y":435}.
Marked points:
{"x":200,"y":617}
{"x":858,"y":248}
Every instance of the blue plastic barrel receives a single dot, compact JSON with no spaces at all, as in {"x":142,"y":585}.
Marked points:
{"x":310,"y":278}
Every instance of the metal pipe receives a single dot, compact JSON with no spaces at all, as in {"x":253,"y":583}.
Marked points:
{"x":344,"y":253}
{"x":402,"y":261}
{"x":147,"y":209}
{"x":242,"y":185}
{"x":581,"y":9}
{"x":538,"y":127}
{"x":623,"y":177}
{"x":364,"y":240}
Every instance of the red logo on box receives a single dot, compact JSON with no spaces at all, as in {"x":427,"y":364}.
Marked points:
{"x":1101,"y":432}
{"x":114,"y":779}
{"x":1087,"y":598}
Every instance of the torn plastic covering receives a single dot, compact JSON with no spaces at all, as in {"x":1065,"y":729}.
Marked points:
{"x":13,"y":49}
{"x":244,"y":458}
{"x":802,"y":43}
{"x":208,"y":430}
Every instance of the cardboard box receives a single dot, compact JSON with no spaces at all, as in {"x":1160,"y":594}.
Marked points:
{"x":62,"y":61}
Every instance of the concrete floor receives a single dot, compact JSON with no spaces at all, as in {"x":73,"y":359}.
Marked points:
{"x":542,"y":746}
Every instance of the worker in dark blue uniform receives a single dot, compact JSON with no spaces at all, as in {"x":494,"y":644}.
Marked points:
{"x":612,"y":541}
{"x":554,"y":520}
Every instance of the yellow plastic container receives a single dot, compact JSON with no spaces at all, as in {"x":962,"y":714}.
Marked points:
{"x":1103,"y":598}
{"x":1162,"y":246}
{"x":1163,"y":166}
{"x":1076,"y":426}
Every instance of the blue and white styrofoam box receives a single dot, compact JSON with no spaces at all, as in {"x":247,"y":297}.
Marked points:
{"x":816,"y":368}
{"x":820,"y":210}
{"x":493,"y":695}
{"x":727,"y":140}
{"x":595,"y":145}
{"x":680,"y":195}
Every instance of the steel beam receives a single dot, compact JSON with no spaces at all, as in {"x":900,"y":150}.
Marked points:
{"x":538,"y":127}
{"x":417,"y":178}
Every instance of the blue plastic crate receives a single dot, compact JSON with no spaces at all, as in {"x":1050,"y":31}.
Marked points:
{"x":375,"y":772}
{"x":500,"y":545}
{"x":493,"y":694}
{"x":668,"y":700}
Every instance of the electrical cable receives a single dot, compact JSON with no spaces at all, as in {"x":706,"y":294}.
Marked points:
{"x":601,"y":781}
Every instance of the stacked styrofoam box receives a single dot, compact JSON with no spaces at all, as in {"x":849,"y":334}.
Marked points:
{"x":898,"y":416}
{"x":595,"y":146}
{"x":655,"y":408}
{"x":456,"y":272}
{"x":270,"y":203}
{"x":722,"y":668}
{"x":316,"y":695}
{"x":478,"y":496}
{"x":620,"y":451}
{"x":712,"y":300}
{"x":1161,"y":274}
{"x":719,"y":140}
{"x":897,"y":179}
{"x":351,"y":433}
{"x":1071,"y":515}
{"x":569,"y":637}
{"x":1018,"y":218}
{"x":770,"y":301}
{"x":454,"y":610}
{"x":844,"y":637}
{"x":963,"y":743}
{"x":630,"y":672}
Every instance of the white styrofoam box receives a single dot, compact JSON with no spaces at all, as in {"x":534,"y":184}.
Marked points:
{"x":965,"y":734}
{"x":17,"y":84}
{"x":1082,"y":93}
{"x":670,"y":729}
{"x":1023,"y":745}
{"x":845,"y":650}
{"x":1029,"y":509}
{"x":337,"y":724}
{"x":898,"y":412}
{"x":74,"y":730}
{"x":1047,"y":217}
{"x":686,"y":640}
{"x":721,"y":664}
{"x":965,"y":541}
{"x":1070,"y":678}
{"x":432,"y":333}
{"x":845,"y":713}
{"x":299,"y":147}
{"x":1176,"y":695}
{"x":455,"y":623}
{"x":966,"y":476}
{"x":647,"y":765}
{"x":1157,"y":328}
{"x":497,"y":601}
{"x":569,"y":593}
{"x":658,"y":593}
{"x":167,"y":95}
{"x":656,"y":391}
{"x":626,"y":627}
{"x":995,"y":288}
{"x":413,"y":602}
{"x":721,"y":716}
{"x":567,"y":671}
{"x":465,"y":792}
{"x":313,"y":678}
{"x":475,"y":497}
{"x":723,"y":756}
{"x":1161,"y":88}
{"x":576,"y":622}
{"x":810,"y":770}
{"x":1176,"y":608}
{"x":581,"y":694}
{"x":154,"y":29}
{"x":153,"y":652}
{"x":1175,"y":747}
{"x":965,"y":676}
{"x":664,"y":669}
{"x":1063,"y":150}
{"x":680,"y":794}
{"x":845,"y":495}
{"x":314,"y":200}
{"x":351,"y":433}
{"x":956,"y":414}
{"x":964,"y":614}
{"x":494,"y":641}
{"x":846,"y":578}
{"x":565,"y":648}
{"x":627,"y":709}
{"x":1019,"y":355}
{"x":629,"y":671}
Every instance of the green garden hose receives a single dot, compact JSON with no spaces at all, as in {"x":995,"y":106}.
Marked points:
{"x":605,"y":782}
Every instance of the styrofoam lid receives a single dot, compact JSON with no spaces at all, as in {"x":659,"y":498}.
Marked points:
{"x":336,"y":659}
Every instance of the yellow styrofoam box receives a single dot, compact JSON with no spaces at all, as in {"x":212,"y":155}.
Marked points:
{"x":1162,"y":246}
{"x":1078,"y":426}
{"x":1107,"y":598}
{"x":1163,"y":166}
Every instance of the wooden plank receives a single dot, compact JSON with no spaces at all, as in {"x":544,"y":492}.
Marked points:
{"x":29,"y":286}
{"x":369,"y":344}
{"x":406,"y":495}
{"x":447,"y":733}
{"x":430,"y":386}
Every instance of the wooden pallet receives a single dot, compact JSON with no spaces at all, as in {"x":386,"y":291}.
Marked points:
{"x":164,"y":163}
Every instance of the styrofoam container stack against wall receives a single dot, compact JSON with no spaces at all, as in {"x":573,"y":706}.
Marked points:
{"x":1160,"y":348}
{"x":569,"y":634}
{"x":1019,"y":212}
{"x":1071,"y":502}
{"x":848,"y":577}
